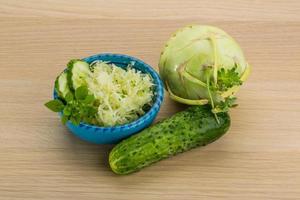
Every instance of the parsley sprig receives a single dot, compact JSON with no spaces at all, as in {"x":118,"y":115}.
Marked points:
{"x":223,"y":106}
{"x":77,"y":107}
{"x":227,"y":78}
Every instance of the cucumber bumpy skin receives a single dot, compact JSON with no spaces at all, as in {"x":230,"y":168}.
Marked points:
{"x":195,"y":126}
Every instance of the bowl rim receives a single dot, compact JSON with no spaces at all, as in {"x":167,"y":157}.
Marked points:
{"x":159,"y":91}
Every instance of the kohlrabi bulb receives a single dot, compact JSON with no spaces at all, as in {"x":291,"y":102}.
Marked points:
{"x":202,"y":64}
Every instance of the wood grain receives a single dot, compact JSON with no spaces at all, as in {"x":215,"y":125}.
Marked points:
{"x":258,"y":158}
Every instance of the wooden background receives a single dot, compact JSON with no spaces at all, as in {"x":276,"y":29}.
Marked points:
{"x":259,"y":158}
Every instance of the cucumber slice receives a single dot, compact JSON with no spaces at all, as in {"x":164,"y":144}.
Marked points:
{"x":78,"y":73}
{"x":61,"y":85}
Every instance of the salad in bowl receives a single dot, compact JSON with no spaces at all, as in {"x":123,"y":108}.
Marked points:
{"x":107,"y":97}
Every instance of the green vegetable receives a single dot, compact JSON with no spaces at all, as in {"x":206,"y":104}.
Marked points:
{"x":203,"y":64}
{"x":227,"y":79}
{"x":185,"y":130}
{"x":81,"y":107}
{"x":78,"y":73}
{"x":102,"y":94}
{"x":55,"y":105}
{"x":81,"y":92}
{"x":61,"y":85}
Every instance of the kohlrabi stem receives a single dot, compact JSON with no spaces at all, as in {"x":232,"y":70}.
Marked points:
{"x":216,"y":58}
{"x":192,"y":78}
{"x":185,"y":101}
{"x":209,"y":94}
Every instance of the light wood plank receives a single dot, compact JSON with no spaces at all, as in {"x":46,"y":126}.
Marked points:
{"x":258,"y":158}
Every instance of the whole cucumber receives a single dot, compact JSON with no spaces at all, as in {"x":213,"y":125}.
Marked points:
{"x":195,"y":126}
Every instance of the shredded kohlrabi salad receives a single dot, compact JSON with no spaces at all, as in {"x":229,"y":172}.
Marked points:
{"x":123,"y":94}
{"x":101,"y":93}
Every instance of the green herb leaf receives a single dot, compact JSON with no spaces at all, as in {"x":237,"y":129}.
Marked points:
{"x":75,"y":119}
{"x":67,"y":110}
{"x":64,"y":119}
{"x":91,"y":111}
{"x":89,"y":99}
{"x":228,"y":78}
{"x":69,"y":97}
{"x":55,"y":105}
{"x":81,"y":92}
{"x":224,"y":106}
{"x":230,"y":102}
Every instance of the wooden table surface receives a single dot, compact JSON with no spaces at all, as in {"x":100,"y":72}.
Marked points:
{"x":259,"y":158}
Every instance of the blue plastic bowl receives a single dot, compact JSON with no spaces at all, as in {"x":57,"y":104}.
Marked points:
{"x":110,"y":135}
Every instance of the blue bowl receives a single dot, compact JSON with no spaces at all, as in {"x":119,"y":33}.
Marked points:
{"x":111,"y":135}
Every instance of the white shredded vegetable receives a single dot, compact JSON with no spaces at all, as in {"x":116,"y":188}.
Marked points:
{"x":122,"y":93}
